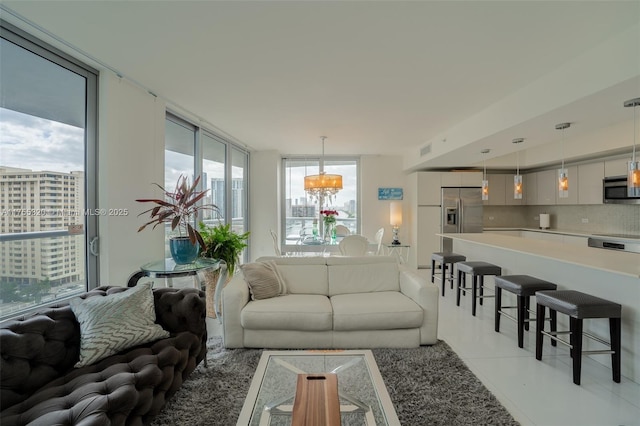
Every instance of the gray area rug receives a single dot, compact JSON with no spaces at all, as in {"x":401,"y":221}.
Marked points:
{"x":429,"y":385}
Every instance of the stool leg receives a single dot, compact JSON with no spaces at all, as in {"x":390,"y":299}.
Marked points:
{"x":520,"y":320}
{"x":576,"y":346}
{"x":474,"y":294}
{"x":481,"y":288}
{"x":445,"y":274}
{"x":539,"y":327}
{"x":616,"y":331}
{"x":498,"y":307}
{"x":527,"y":306}
{"x":433,"y":270}
{"x":460,"y":282}
{"x":452,"y":276}
{"x":554,"y":324}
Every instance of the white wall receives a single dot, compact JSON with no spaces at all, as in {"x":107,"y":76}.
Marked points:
{"x":130,"y":159}
{"x":264,"y":201}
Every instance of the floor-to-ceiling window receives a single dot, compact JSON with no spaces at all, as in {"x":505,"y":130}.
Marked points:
{"x":301,"y":212}
{"x":48,"y":214}
{"x":193,"y":151}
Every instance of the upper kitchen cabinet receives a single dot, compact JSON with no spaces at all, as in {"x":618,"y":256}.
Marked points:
{"x":590,"y":183}
{"x":574,"y":184}
{"x":547,"y":186}
{"x":429,"y":188}
{"x":461,"y":179}
{"x":616,"y":167}
{"x":497,"y":191}
{"x":530,"y":189}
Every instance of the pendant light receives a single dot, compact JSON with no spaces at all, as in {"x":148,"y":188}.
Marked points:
{"x":517,"y":178}
{"x":633,"y":177}
{"x":563,"y":176}
{"x":322,"y":186}
{"x":485,"y":182}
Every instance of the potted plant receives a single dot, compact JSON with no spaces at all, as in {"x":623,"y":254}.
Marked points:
{"x":179,"y":208}
{"x":220,"y":242}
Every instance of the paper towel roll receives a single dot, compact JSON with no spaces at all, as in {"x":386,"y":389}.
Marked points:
{"x":544,"y":221}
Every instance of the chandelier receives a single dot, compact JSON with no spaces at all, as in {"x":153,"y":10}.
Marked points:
{"x":322,"y":185}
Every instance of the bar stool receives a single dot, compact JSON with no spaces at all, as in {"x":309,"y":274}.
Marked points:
{"x":580,"y":306}
{"x":446,"y":261}
{"x":523,"y":286}
{"x":478,"y":270}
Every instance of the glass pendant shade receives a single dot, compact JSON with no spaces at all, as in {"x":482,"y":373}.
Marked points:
{"x":485,"y":190}
{"x":633,"y":170}
{"x":563,"y":183}
{"x":633,"y":179}
{"x":517,"y":187}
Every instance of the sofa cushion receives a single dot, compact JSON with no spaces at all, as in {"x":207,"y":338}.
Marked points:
{"x":302,"y":275}
{"x":362,"y":274}
{"x":309,"y":312}
{"x":382,"y":310}
{"x":263,"y":279}
{"x":115,"y":322}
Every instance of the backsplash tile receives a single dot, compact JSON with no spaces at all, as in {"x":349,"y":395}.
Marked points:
{"x":601,"y":219}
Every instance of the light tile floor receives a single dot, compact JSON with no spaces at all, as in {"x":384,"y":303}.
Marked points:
{"x":535,"y":392}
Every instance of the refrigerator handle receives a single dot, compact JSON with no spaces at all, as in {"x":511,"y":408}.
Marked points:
{"x":461,"y":220}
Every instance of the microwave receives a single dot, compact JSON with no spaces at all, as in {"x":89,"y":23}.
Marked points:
{"x":614,"y":191}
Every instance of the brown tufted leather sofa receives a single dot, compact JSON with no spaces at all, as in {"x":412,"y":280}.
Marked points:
{"x":40,"y":386}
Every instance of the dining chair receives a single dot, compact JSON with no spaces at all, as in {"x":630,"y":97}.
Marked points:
{"x":342,"y":231}
{"x":276,"y":247}
{"x":378,"y":240}
{"x":353,"y":245}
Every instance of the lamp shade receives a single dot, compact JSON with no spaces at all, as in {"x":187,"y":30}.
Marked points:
{"x":395,"y":214}
{"x":323,"y":181}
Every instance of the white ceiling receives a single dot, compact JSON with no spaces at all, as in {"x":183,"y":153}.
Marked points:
{"x":374,"y":77}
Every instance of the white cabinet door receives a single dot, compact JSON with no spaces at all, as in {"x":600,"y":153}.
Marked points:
{"x":470,"y":179}
{"x":547,"y":187}
{"x":496,"y":190}
{"x":616,"y":167}
{"x":574,"y":185}
{"x":428,"y":188}
{"x":590,"y":183}
{"x":427,"y":242}
{"x":530,"y":189}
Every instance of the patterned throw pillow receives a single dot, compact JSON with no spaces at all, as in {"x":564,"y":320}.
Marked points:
{"x":115,"y":322}
{"x":263,"y":279}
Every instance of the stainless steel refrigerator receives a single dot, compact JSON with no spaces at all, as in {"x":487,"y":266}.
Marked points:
{"x":461,"y":212}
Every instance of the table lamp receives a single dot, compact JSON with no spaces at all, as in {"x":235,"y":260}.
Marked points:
{"x":395,"y":219}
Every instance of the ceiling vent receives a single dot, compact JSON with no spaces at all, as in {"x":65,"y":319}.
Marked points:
{"x":425,"y":150}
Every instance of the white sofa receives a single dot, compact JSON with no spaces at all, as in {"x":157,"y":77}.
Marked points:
{"x":334,"y":302}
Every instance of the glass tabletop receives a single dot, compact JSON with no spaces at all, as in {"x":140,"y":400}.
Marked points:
{"x":363,"y":396}
{"x":168,"y":265}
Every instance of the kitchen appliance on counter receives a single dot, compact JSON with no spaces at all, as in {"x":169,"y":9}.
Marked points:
{"x":461,"y":212}
{"x":614,"y":191}
{"x":621,"y":242}
{"x":545,"y":220}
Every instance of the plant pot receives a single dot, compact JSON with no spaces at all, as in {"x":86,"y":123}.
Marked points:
{"x":211,"y":282}
{"x":183,"y":251}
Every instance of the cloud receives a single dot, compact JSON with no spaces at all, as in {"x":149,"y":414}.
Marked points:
{"x":38,"y":144}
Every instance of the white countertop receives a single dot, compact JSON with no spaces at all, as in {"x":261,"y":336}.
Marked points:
{"x":617,"y":262}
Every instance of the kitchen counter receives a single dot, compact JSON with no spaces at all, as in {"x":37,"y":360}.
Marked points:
{"x":616,"y":262}
{"x":560,"y":232}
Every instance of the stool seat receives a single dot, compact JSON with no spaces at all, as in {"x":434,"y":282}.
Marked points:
{"x":523,"y":285}
{"x":579,"y":305}
{"x":447,"y":257}
{"x":478,"y":268}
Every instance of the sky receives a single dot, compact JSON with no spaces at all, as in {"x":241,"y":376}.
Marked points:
{"x":39,"y":144}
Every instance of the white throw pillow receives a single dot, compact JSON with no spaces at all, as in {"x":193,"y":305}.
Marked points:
{"x":263,"y":279}
{"x":112,"y":323}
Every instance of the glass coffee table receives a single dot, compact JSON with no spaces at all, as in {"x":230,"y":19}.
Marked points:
{"x":364,"y":400}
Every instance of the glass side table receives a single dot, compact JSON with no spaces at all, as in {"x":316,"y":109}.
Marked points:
{"x":168,"y":269}
{"x":401,"y":251}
